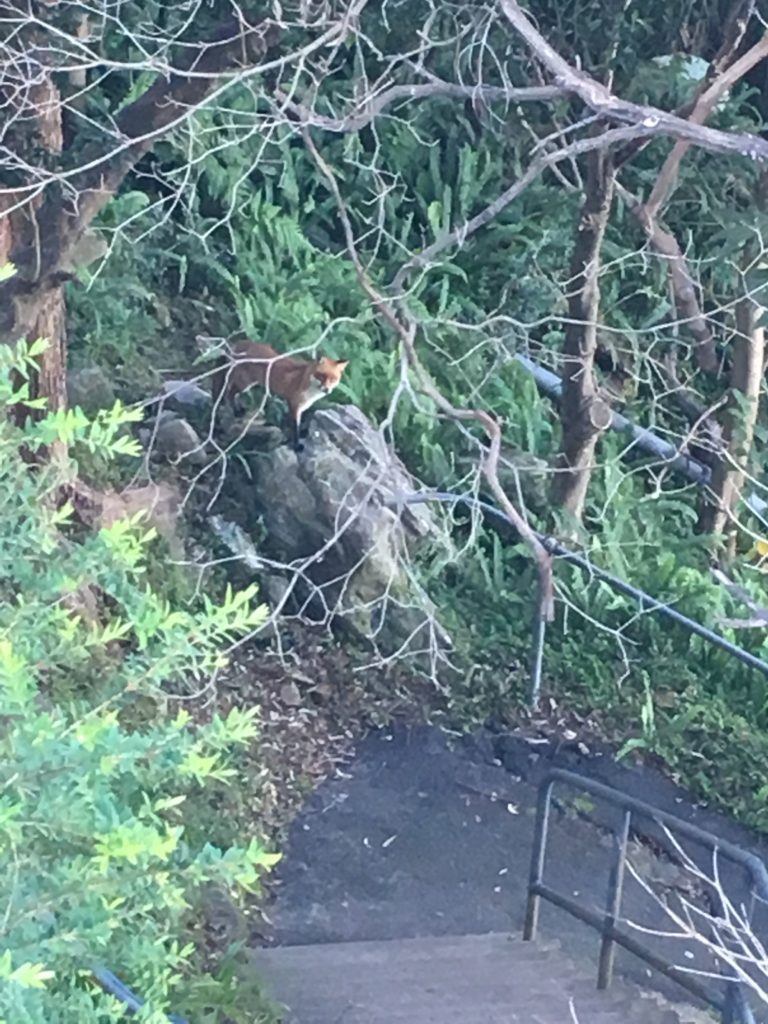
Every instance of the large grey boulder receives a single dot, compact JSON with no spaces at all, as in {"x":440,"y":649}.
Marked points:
{"x":326,"y":511}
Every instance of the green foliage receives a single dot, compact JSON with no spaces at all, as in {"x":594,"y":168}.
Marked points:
{"x":124,"y":327}
{"x":258,"y":245}
{"x":97,"y":866}
{"x":285,"y":291}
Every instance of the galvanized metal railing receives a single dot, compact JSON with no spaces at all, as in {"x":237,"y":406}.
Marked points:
{"x":732,"y":1006}
{"x":646,"y":602}
{"x":668,"y":454}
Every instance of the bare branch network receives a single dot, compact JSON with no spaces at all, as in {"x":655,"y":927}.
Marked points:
{"x":246,"y":79}
{"x":703,"y":912}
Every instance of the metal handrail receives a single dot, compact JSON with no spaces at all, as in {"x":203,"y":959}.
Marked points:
{"x":733,"y":1007}
{"x":669,"y":454}
{"x":646,"y":602}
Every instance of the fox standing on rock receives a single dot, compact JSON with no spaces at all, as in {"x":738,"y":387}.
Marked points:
{"x":299,"y":382}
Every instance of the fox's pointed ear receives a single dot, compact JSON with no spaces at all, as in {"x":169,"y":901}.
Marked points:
{"x":342,"y":363}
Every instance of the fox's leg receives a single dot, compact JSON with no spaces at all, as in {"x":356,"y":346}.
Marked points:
{"x":304,"y":422}
{"x":294,"y":420}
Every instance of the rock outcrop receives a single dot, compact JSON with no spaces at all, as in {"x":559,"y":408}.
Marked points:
{"x":158,"y":502}
{"x":326,"y":513}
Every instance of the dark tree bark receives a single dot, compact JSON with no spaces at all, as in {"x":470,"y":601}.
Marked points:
{"x":583,"y":413}
{"x":19,"y":239}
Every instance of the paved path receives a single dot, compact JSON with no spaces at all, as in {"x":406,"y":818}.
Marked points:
{"x":425,"y":837}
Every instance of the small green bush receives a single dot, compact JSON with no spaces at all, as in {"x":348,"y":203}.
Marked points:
{"x":95,"y":863}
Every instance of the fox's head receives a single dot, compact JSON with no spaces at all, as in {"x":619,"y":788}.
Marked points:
{"x":328,"y":372}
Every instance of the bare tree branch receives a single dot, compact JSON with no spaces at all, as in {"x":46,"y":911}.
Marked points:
{"x":734,"y":31}
{"x":703,"y":107}
{"x":719,"y":924}
{"x":377,"y":103}
{"x":231,"y":45}
{"x":459,"y":235}
{"x":406,"y":332}
{"x":683,"y":286}
{"x":604,"y":102}
{"x":661,"y":239}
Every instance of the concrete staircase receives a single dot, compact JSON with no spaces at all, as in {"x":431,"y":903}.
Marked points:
{"x":466,"y":979}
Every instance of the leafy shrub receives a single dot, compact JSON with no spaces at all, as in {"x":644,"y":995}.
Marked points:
{"x":96,"y":866}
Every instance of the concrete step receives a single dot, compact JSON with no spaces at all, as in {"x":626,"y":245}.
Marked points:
{"x":466,"y":979}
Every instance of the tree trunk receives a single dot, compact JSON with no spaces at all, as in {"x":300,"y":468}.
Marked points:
{"x":739,"y":419}
{"x":38,"y":314}
{"x":718,"y":514}
{"x":583,"y":413}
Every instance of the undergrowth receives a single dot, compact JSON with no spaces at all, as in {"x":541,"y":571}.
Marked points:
{"x":260,"y":247}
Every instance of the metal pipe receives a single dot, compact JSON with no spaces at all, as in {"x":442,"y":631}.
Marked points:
{"x":743,"y":1009}
{"x":734,"y":1007}
{"x":536,"y":875}
{"x":112,"y":984}
{"x":647,"y":602}
{"x":537,"y":656}
{"x":651,"y":604}
{"x":613,"y":905}
{"x":749,"y":861}
{"x":595,"y":919}
{"x":551,"y":384}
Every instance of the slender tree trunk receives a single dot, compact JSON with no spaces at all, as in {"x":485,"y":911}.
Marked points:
{"x":583,"y":413}
{"x":739,"y":421}
{"x":718,"y":513}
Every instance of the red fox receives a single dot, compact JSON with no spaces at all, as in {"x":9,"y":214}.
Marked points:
{"x":298,"y":381}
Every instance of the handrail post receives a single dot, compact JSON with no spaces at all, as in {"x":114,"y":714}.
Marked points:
{"x":734,"y":1009}
{"x":744,"y":1013}
{"x":613,"y":904}
{"x":536,"y":662}
{"x":537,"y":862}
{"x":732,"y":1005}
